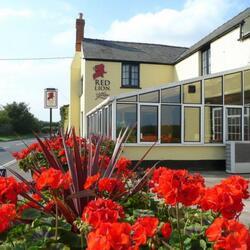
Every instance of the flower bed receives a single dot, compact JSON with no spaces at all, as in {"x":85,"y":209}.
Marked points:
{"x":84,"y":195}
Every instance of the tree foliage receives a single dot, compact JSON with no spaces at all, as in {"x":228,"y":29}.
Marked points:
{"x":16,"y":118}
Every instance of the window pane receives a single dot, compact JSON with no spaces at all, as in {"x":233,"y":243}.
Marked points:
{"x":247,"y":86}
{"x":233,"y":124}
{"x":232,"y":86}
{"x":150,"y":97}
{"x":213,"y":124}
{"x":171,"y":95}
{"x":247,"y":124}
{"x":130,"y":75}
{"x":126,"y":116}
{"x":110,"y":121}
{"x":105,"y":126}
{"x":128,"y":99}
{"x":191,"y":124}
{"x":213,"y":91}
{"x":192,"y":92}
{"x":170,"y":124}
{"x":149,"y":123}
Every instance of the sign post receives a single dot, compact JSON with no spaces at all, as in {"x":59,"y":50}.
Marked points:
{"x":50,"y":102}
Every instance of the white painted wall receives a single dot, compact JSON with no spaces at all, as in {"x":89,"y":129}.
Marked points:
{"x":188,"y":68}
{"x":228,"y":52}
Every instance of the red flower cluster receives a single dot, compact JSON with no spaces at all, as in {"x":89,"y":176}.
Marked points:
{"x":10,"y":189}
{"x":102,"y":210}
{"x":111,"y":185}
{"x":7,"y":215}
{"x":144,"y":228}
{"x":166,"y":230}
{"x":122,"y":166}
{"x":122,"y":236}
{"x":53,"y":178}
{"x":226,"y":197}
{"x":35,"y":147}
{"x":55,"y":144}
{"x":110,"y":236}
{"x":91,"y":180}
{"x":178,"y":186}
{"x":228,"y":235}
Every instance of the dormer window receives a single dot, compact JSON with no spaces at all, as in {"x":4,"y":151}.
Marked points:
{"x":245,"y":28}
{"x":206,"y":61}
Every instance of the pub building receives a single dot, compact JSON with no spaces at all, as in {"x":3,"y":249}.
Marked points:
{"x":193,"y":102}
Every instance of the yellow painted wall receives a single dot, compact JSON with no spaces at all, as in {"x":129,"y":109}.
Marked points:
{"x":176,"y":152}
{"x":151,"y":75}
{"x":75,"y":79}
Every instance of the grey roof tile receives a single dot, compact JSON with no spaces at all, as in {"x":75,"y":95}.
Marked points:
{"x":130,"y":51}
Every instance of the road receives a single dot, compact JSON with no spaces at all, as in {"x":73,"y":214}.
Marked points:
{"x":6,"y":150}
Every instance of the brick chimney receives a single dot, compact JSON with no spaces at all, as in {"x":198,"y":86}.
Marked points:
{"x":79,"y":32}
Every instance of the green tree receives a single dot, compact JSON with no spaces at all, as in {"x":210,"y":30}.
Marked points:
{"x":5,"y":123}
{"x":21,"y":119}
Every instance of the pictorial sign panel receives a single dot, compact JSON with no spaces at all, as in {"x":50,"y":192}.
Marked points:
{"x":50,"y":98}
{"x":102,"y":85}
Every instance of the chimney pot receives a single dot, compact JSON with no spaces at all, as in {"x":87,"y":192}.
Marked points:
{"x":80,"y":15}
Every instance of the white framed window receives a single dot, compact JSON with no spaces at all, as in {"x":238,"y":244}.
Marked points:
{"x":206,"y":61}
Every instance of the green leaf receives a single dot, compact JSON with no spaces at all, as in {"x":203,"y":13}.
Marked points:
{"x":203,"y":244}
{"x":31,"y":214}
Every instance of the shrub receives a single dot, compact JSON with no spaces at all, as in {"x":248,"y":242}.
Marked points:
{"x":83,"y":197}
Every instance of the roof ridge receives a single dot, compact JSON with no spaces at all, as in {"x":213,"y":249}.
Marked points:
{"x":157,"y":44}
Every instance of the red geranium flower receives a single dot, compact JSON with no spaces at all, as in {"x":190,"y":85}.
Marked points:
{"x":111,"y":185}
{"x":10,"y":189}
{"x":166,"y":230}
{"x":54,"y":179}
{"x":226,"y":197}
{"x":149,"y":223}
{"x":122,"y":166}
{"x":228,"y":235}
{"x":91,"y":180}
{"x":178,"y":186}
{"x":7,"y":215}
{"x":102,"y":210}
{"x":110,"y":236}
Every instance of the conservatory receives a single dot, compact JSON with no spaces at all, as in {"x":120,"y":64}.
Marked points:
{"x":204,"y":111}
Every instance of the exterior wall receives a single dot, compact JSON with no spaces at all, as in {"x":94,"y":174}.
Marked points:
{"x":228,"y":52}
{"x":188,"y":68}
{"x":176,"y":152}
{"x":75,"y":79}
{"x":151,"y":75}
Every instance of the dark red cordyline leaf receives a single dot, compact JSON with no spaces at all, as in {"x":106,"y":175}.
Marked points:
{"x":48,"y":155}
{"x":73,"y":188}
{"x":81,"y":194}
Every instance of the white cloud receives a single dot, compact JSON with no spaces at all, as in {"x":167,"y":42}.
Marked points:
{"x":64,"y":39}
{"x":176,"y":27}
{"x":25,"y":81}
{"x":10,"y":13}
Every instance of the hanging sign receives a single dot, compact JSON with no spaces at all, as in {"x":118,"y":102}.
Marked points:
{"x":50,"y":98}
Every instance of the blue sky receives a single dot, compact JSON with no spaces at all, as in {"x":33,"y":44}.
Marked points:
{"x":46,"y":28}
